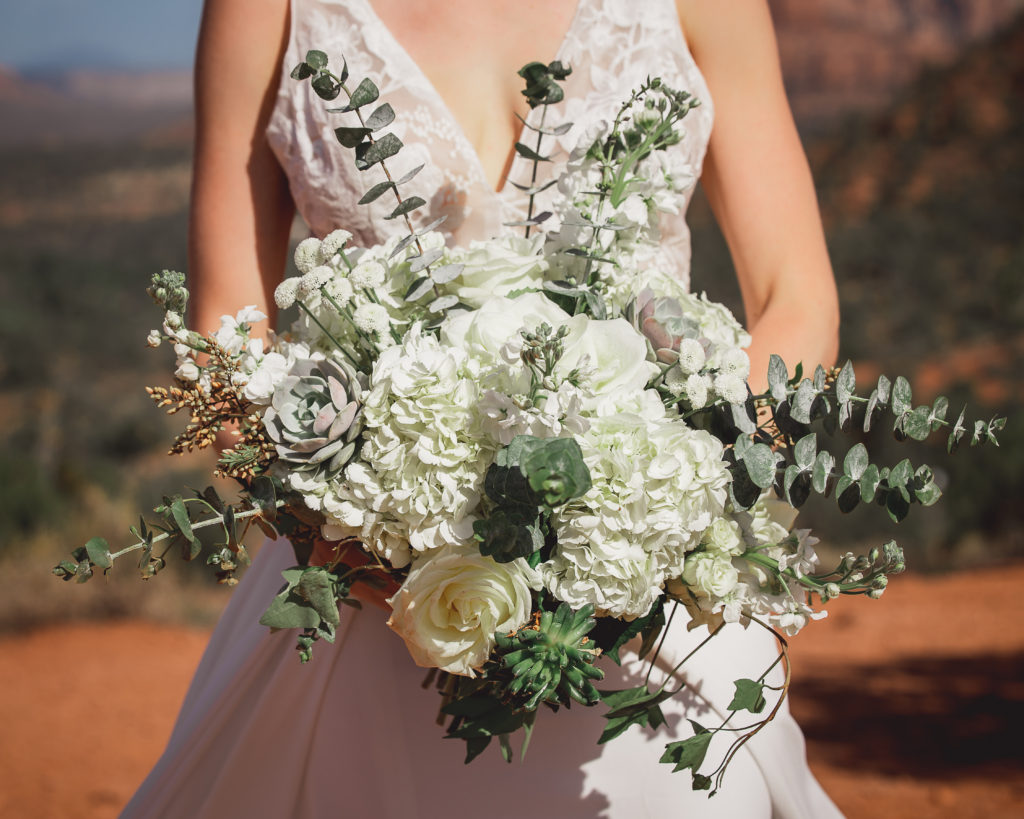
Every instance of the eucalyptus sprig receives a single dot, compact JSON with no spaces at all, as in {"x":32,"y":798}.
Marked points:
{"x":542,"y":90}
{"x":372,"y":148}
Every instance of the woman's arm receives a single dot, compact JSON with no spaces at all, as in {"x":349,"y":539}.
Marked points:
{"x":241,"y":210}
{"x":759,"y":185}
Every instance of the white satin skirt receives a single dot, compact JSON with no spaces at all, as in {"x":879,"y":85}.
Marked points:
{"x":353,"y":734}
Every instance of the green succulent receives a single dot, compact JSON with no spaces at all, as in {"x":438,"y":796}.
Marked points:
{"x":314,"y":416}
{"x":552,"y":661}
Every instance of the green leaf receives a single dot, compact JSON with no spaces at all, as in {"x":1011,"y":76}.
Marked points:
{"x":316,"y":59}
{"x":743,"y":492}
{"x":856,"y":461}
{"x":528,"y":153}
{"x":749,"y":696}
{"x":325,"y":87}
{"x":957,"y":432}
{"x":897,"y":505}
{"x":928,"y":494}
{"x":652,"y":622}
{"x":803,"y":401}
{"x":181,"y":519}
{"x":796,"y":486}
{"x":408,"y":177}
{"x":823,"y":465}
{"x":900,"y":474}
{"x":759,"y":460}
{"x":289,"y":610}
{"x":365,"y":93}
{"x":302,"y":71}
{"x":368,"y":154}
{"x":847,"y":493}
{"x":317,"y":585}
{"x":805,"y":451}
{"x":381,"y":117}
{"x":688,"y":753}
{"x":407,"y":206}
{"x":376,"y":192}
{"x":917,"y":423}
{"x":778,"y":377}
{"x":507,"y":534}
{"x":418,"y":289}
{"x":938,"y":412}
{"x":99,"y":552}
{"x":846,"y":383}
{"x":870,"y":410}
{"x":351,"y":137}
{"x":901,"y":396}
{"x":631,"y":706}
{"x":869,"y":483}
{"x":556,"y":471}
{"x":883,"y":389}
{"x":701,"y":782}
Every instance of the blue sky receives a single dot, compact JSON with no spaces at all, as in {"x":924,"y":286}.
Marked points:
{"x":98,"y":33}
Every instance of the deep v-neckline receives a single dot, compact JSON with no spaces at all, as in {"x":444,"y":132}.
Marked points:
{"x":512,"y":157}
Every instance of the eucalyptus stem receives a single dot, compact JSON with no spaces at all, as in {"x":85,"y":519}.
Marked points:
{"x":536,"y":165}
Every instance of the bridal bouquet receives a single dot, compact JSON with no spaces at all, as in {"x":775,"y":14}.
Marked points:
{"x":542,"y":442}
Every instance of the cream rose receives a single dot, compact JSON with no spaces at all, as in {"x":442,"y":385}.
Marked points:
{"x":497,"y":267}
{"x":614,"y":353}
{"x":482,"y":333}
{"x":452,"y":603}
{"x":711,"y":573}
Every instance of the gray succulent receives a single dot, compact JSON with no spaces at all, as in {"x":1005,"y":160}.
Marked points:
{"x":313,"y":418}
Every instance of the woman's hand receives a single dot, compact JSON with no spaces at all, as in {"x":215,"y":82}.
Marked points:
{"x":373,"y":585}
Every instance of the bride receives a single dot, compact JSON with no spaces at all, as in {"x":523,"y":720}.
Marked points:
{"x":353,"y":732}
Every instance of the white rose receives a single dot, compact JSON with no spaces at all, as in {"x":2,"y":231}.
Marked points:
{"x":724,"y":535}
{"x":711,"y":573}
{"x":483,"y":332}
{"x":497,"y":267}
{"x":452,"y":603}
{"x":613,"y":351}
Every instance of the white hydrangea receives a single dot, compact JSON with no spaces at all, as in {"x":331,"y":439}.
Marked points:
{"x":420,"y":470}
{"x":657,"y":485}
{"x":307,"y":254}
{"x":504,"y":416}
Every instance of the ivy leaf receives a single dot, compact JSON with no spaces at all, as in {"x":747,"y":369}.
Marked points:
{"x":317,"y":585}
{"x":749,"y":696}
{"x":688,"y":753}
{"x":631,"y":706}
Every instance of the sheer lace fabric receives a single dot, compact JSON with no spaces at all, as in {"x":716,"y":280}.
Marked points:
{"x":612,"y":46}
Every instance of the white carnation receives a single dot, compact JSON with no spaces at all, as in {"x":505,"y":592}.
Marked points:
{"x":307,"y":254}
{"x":452,"y":603}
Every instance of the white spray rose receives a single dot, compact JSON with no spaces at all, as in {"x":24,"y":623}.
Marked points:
{"x":711,"y":573}
{"x":452,"y":603}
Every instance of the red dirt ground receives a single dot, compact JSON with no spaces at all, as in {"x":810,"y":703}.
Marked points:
{"x":913,"y":706}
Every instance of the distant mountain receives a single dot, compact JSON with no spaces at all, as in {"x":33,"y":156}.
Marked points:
{"x":840,"y":56}
{"x":91,"y":105}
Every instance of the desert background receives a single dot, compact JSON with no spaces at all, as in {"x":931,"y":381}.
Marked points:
{"x":911,"y":113}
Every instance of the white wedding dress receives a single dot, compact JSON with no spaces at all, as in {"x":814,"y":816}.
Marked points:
{"x":353,"y":733}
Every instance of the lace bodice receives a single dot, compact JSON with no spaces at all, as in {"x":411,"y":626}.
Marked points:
{"x":611,"y":45}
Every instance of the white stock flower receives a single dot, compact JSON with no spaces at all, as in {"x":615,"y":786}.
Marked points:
{"x":367,"y":275}
{"x":452,"y":603}
{"x":286,"y":291}
{"x":154,"y":338}
{"x":271,"y":371}
{"x":187,"y":370}
{"x":233,"y":334}
{"x":307,"y":254}
{"x":371,"y":318}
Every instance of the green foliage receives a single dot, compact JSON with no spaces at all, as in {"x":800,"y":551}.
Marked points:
{"x":749,"y":696}
{"x":528,"y":479}
{"x":689,"y":754}
{"x":632,"y":706}
{"x":551,"y":662}
{"x":542,"y":80}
